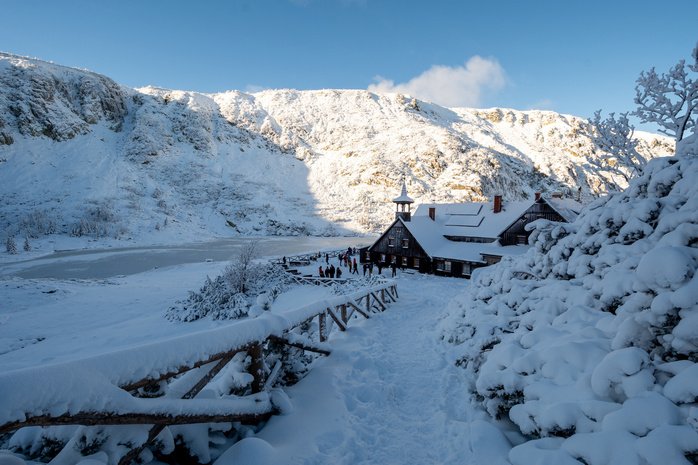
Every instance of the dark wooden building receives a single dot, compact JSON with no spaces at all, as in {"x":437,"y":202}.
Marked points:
{"x":455,"y":239}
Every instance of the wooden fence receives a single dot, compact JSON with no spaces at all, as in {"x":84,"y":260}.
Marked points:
{"x":255,"y":407}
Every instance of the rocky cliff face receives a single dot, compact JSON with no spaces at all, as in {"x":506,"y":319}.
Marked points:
{"x":74,"y":142}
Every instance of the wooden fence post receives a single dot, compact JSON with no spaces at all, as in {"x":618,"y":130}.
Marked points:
{"x":322,"y":323}
{"x":257,"y":367}
{"x":343,"y":313}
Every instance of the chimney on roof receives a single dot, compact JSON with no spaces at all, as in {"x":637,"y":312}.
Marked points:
{"x":497,"y":203}
{"x":557,"y":195}
{"x":537,"y":196}
{"x":432,"y":213}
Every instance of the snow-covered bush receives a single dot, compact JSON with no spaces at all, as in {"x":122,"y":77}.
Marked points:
{"x":222,"y":298}
{"x":590,"y":340}
{"x":39,"y":223}
{"x":98,"y":220}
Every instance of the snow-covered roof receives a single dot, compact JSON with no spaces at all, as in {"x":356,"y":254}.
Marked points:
{"x":470,"y":219}
{"x":567,"y":208}
{"x":403,"y":195}
{"x":464,"y":220}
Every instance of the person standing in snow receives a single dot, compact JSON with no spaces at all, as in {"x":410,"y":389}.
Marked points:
{"x":322,"y":274}
{"x":394,"y":267}
{"x":327,"y":258}
{"x":339,"y":273}
{"x":365,"y":268}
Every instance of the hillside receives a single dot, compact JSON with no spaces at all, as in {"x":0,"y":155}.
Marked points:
{"x":83,"y":155}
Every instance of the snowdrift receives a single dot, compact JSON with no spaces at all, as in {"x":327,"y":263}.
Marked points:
{"x":589,"y":342}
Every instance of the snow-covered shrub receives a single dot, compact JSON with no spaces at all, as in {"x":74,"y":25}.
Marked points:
{"x":97,"y":220}
{"x":39,"y":223}
{"x":221,"y":298}
{"x":590,"y":340}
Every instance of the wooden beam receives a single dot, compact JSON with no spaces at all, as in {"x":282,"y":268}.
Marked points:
{"x":299,"y":345}
{"x":159,"y":419}
{"x":383,"y":307}
{"x":366,"y":315}
{"x":206,"y":379}
{"x":336,"y":319}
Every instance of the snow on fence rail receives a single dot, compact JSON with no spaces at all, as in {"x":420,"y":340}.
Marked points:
{"x":95,"y":390}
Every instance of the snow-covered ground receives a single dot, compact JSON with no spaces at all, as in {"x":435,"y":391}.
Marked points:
{"x":386,"y":394}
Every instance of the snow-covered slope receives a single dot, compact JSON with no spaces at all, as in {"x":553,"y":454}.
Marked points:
{"x":589,"y":342}
{"x":82,"y":154}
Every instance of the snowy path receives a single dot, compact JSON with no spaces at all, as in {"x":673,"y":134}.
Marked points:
{"x":386,"y":395}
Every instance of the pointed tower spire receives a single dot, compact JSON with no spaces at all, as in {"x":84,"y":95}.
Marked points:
{"x":400,"y":203}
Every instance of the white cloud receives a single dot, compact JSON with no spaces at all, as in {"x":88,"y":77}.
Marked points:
{"x":461,"y":86}
{"x":252,"y":89}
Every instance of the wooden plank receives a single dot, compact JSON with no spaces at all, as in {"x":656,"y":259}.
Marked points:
{"x":343,"y":313}
{"x":298,"y":345}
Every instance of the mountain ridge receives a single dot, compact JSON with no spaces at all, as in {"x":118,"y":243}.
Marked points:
{"x":99,"y":158}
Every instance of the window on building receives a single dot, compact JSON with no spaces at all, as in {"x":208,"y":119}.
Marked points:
{"x":416,"y":263}
{"x":368,"y":255}
{"x":439,"y":265}
{"x":398,"y":230}
{"x":447,"y":266}
{"x":382,"y":257}
{"x":391,"y":241}
{"x":404,"y":261}
{"x":467,"y":269}
{"x":393,"y":259}
{"x":520,"y":240}
{"x":405,"y":243}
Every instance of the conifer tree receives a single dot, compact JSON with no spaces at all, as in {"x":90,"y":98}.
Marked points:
{"x":11,"y":246}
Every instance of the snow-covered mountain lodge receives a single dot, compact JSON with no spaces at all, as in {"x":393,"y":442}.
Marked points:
{"x":454,"y":239}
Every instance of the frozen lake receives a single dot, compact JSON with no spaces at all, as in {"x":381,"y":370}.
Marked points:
{"x":110,"y":262}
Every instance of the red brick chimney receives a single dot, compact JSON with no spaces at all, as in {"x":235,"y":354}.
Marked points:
{"x":432,"y":213}
{"x":537,"y":196}
{"x":497,"y":203}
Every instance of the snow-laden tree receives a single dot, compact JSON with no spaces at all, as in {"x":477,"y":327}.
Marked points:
{"x":615,"y":138}
{"x":10,"y":245}
{"x":241,"y":270}
{"x":669,"y":100}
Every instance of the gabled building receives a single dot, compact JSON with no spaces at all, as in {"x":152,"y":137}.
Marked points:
{"x":454,"y":239}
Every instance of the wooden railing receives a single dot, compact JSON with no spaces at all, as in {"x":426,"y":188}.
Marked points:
{"x":219,"y":346}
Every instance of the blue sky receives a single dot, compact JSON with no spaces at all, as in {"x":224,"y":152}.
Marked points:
{"x":573,"y":57}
